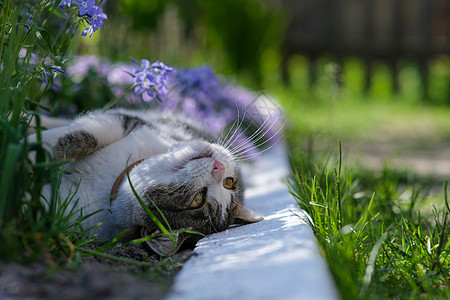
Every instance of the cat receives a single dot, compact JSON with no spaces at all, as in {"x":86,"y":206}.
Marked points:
{"x":174,"y":164}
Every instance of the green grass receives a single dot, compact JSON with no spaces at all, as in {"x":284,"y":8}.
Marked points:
{"x":27,"y":228}
{"x":377,"y":242}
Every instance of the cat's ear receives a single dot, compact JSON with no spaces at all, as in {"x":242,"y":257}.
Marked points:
{"x":163,"y":245}
{"x":245,"y":216}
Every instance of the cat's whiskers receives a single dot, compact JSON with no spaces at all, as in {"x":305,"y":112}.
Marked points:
{"x":235,"y":130}
{"x":251,"y":156}
{"x":243,"y":157}
{"x":211,"y":223}
{"x":222,"y":141}
{"x":243,"y":150}
{"x":179,"y":184}
{"x":186,"y":184}
{"x":251,"y":142}
{"x":264,"y":127}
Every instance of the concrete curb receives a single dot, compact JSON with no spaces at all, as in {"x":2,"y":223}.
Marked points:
{"x":274,"y":259}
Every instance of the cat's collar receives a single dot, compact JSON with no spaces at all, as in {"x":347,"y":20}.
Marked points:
{"x":119,"y":179}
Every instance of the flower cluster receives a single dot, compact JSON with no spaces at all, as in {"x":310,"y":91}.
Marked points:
{"x":150,"y":80}
{"x":195,"y":81}
{"x":199,"y":94}
{"x":88,"y":8}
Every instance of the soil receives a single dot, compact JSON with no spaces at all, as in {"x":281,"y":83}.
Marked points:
{"x":93,"y":278}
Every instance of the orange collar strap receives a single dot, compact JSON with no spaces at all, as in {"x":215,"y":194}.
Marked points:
{"x":119,"y":180}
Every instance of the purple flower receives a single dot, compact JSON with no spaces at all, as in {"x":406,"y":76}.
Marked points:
{"x":144,"y":85}
{"x":197,"y":80}
{"x":88,"y":30}
{"x":26,"y":16}
{"x":46,"y":73}
{"x":57,"y":69}
{"x":162,"y":67}
{"x":45,"y":76}
{"x":151,"y":79}
{"x":96,"y":21}
{"x":65,"y":2}
{"x":97,"y":17}
{"x":143,"y":68}
{"x":86,"y":6}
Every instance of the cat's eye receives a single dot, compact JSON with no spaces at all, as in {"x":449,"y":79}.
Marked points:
{"x":199,"y":199}
{"x":228,"y":183}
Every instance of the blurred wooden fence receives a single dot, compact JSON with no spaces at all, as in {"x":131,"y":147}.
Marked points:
{"x":372,"y":30}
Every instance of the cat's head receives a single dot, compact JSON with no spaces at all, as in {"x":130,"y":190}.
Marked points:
{"x":196,"y":185}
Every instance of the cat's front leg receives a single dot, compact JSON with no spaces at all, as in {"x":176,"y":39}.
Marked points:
{"x":86,"y":134}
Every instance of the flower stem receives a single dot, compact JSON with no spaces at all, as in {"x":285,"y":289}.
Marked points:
{"x":118,"y":99}
{"x":4,"y":22}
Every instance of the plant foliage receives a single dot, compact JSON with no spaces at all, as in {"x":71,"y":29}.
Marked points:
{"x":377,"y":242}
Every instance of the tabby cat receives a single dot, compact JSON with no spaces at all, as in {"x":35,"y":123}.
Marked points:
{"x":171,"y":162}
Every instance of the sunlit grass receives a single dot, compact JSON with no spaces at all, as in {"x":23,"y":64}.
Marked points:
{"x":377,"y":243}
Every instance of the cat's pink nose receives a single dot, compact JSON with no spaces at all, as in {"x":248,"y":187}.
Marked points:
{"x":218,"y":171}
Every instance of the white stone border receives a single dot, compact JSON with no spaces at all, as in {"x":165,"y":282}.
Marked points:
{"x":274,"y":259}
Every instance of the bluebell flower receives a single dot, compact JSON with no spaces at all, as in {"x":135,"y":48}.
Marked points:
{"x":46,"y":73}
{"x":143,"y":68}
{"x":144,"y":85}
{"x":96,"y":21}
{"x":59,"y":70}
{"x":195,"y":80}
{"x":90,"y":10}
{"x":97,"y":17}
{"x":45,"y":76}
{"x":151,"y":79}
{"x":86,"y":6}
{"x":88,"y":30}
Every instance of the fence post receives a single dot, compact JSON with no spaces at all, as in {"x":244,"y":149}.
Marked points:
{"x":426,"y":8}
{"x":368,"y":44}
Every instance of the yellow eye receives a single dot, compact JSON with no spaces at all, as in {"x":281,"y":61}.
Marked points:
{"x":199,"y":199}
{"x":228,"y":183}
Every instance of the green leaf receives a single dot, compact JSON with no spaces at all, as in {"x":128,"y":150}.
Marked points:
{"x":141,"y":240}
{"x":146,"y":209}
{"x":44,"y":36}
{"x":56,"y":12}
